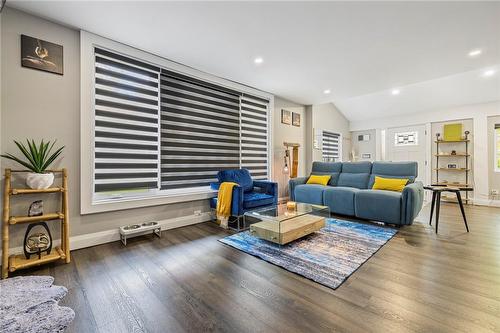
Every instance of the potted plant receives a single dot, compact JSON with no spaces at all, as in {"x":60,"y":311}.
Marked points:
{"x":39,"y":158}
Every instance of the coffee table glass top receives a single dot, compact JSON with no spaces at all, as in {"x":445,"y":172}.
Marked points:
{"x":280,"y":213}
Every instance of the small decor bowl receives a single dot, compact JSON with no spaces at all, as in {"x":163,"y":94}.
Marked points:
{"x":131,"y":227}
{"x":39,"y":181}
{"x":149,"y":224}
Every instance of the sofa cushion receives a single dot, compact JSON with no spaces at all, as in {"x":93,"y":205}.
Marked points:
{"x":240,"y":176}
{"x":356,"y":180}
{"x":383,"y":169}
{"x":379,"y":205}
{"x":310,"y":193}
{"x":355,"y":174}
{"x":257,"y":199}
{"x":332,"y":169}
{"x":340,"y":200}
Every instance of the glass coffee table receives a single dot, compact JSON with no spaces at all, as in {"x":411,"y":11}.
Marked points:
{"x":281,"y":225}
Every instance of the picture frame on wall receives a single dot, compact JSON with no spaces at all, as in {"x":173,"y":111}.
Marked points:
{"x":296,"y":119}
{"x":41,"y":55}
{"x":366,"y":156}
{"x":286,"y":117}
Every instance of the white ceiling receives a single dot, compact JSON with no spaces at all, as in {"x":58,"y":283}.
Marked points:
{"x":358,"y":50}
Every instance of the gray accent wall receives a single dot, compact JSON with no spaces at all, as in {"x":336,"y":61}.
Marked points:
{"x":364,"y":147}
{"x":39,"y":105}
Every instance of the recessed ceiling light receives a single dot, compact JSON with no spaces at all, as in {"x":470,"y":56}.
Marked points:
{"x":475,"y":53}
{"x":326,"y":91}
{"x":395,"y":91}
{"x":258,"y":60}
{"x":489,"y":72}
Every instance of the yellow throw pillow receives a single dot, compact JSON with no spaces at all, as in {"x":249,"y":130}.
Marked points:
{"x":317,"y":179}
{"x":389,"y":184}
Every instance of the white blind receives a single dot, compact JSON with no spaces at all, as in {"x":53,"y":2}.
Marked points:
{"x":126,"y":123}
{"x":331,"y":146}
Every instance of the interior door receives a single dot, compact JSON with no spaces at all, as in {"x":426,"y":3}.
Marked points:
{"x":407,"y":144}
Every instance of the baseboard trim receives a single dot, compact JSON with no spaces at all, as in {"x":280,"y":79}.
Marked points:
{"x":107,"y":236}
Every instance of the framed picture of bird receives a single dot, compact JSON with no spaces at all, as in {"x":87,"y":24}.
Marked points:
{"x":42,"y":55}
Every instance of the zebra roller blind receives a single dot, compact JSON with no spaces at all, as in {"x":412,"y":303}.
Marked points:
{"x":200,"y":128}
{"x":254,"y":136}
{"x":159,"y":129}
{"x":331,"y":146}
{"x":126,"y":123}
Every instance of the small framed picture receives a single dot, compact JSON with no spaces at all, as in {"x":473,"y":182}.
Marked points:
{"x":42,"y":55}
{"x":452,"y":166}
{"x":296,"y":119}
{"x":366,"y":156}
{"x":286,"y":117}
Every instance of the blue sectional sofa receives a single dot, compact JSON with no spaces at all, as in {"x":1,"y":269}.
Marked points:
{"x":349,"y":191}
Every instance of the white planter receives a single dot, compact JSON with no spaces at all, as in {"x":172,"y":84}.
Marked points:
{"x":39,"y":181}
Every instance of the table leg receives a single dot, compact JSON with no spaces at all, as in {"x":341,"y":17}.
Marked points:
{"x":459,"y":198}
{"x":432,"y":205}
{"x":438,"y":205}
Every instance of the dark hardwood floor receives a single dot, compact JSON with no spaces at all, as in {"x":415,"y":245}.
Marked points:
{"x":188,"y":281}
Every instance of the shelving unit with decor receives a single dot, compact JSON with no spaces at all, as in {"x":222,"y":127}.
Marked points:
{"x":11,"y":263}
{"x":466,"y":156}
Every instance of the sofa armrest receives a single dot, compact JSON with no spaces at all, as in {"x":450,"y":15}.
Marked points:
{"x":294,"y":182}
{"x":236,"y":200}
{"x":413,"y":199}
{"x":268,"y":187}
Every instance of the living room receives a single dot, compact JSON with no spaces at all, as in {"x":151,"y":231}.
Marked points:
{"x":250,"y":166}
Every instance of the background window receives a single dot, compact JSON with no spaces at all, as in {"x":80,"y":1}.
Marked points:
{"x":497,"y":148}
{"x":331,"y":146}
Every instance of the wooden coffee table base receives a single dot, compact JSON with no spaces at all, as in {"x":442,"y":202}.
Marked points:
{"x":288,"y":230}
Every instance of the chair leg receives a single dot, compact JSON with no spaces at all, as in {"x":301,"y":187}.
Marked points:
{"x":432,"y":206}
{"x":460,"y":203}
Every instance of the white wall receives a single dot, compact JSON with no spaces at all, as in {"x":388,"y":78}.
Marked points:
{"x":288,"y":133}
{"x":328,"y":117}
{"x":479,"y":114}
{"x":38,"y":104}
{"x":364,"y":147}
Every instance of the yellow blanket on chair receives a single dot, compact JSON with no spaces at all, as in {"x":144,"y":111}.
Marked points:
{"x":224,"y":199}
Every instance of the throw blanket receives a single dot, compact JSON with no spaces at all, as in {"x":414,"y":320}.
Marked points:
{"x":224,"y":199}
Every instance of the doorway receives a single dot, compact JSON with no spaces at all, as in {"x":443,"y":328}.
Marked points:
{"x":407,"y":144}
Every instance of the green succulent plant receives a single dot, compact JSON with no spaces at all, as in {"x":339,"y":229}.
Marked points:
{"x":39,"y":155}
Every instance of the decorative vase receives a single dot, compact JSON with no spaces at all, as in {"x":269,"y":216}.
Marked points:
{"x":39,"y":181}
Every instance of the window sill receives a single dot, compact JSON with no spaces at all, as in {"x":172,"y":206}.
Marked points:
{"x":161,"y":198}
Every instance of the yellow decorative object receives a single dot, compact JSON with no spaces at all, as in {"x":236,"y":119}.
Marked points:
{"x":224,"y":199}
{"x":319,"y":179}
{"x":389,"y":184}
{"x":452,"y":132}
{"x":291,"y":206}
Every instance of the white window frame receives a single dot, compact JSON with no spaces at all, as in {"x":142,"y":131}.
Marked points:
{"x":88,"y":204}
{"x":496,"y":146}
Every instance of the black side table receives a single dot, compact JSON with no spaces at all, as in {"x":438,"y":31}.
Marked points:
{"x":436,"y":200}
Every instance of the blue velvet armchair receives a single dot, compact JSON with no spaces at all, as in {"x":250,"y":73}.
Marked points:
{"x":249,"y":194}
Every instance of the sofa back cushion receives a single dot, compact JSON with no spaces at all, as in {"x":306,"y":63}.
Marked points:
{"x":383,"y":169}
{"x":240,"y":176}
{"x":355,"y":174}
{"x":332,"y":169}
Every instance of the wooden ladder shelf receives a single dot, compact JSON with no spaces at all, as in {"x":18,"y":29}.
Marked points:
{"x":15,"y":262}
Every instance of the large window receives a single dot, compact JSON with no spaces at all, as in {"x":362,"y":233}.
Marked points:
{"x":497,"y":148}
{"x":331,"y":146}
{"x":158,"y":131}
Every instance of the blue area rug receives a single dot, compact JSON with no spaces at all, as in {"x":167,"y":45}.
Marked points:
{"x":328,"y":256}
